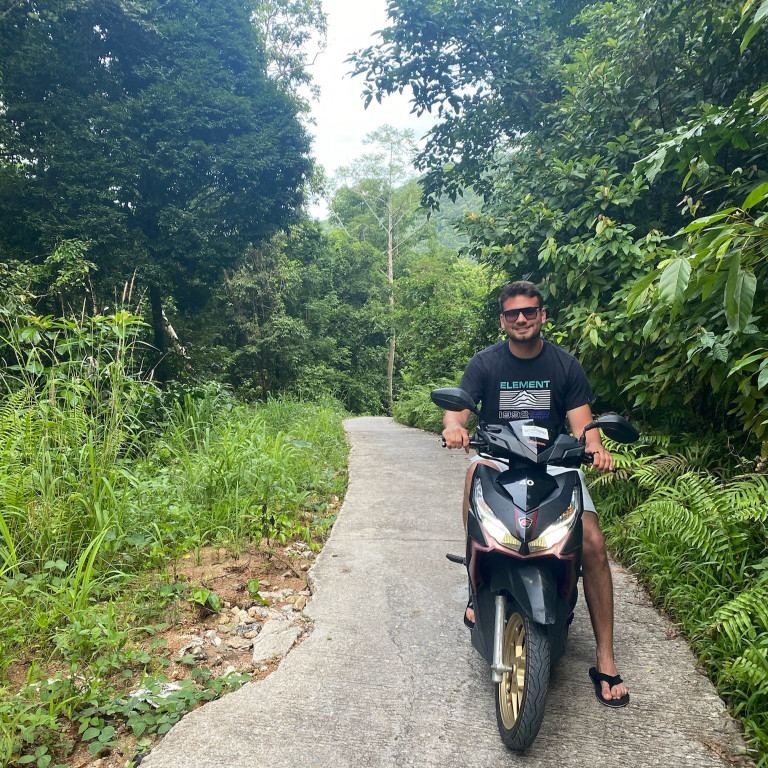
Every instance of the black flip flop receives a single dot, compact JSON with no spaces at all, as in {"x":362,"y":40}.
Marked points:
{"x":598,"y":678}
{"x":467,"y":623}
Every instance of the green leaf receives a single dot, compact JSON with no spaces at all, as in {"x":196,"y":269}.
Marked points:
{"x":731,"y":301}
{"x":673,"y":281}
{"x":762,"y":379}
{"x":213,"y":602}
{"x":720,"y":352}
{"x":652,"y":165}
{"x":639,"y":290}
{"x":750,"y":33}
{"x":748,"y":360}
{"x":705,"y":221}
{"x":747,"y":289}
{"x":650,"y":324}
{"x":707,"y":283}
{"x":739,"y":141}
{"x":200,"y":596}
{"x":739,"y":297}
{"x":91,"y":733}
{"x":757,"y":195}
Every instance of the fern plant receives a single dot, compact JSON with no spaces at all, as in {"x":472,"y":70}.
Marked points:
{"x":697,"y":539}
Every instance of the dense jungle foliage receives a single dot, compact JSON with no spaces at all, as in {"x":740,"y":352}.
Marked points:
{"x":156,"y":256}
{"x":620,"y":152}
{"x":157,"y":270}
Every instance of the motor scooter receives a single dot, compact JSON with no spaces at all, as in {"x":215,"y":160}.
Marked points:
{"x":523,"y":554}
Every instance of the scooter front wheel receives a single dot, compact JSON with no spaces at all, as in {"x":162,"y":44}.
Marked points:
{"x":521,"y":694}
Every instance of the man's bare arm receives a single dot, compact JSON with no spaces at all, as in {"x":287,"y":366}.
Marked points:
{"x":578,"y":418}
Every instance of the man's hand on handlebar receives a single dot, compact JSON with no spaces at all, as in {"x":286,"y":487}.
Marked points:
{"x":602,"y":460}
{"x":456,"y":437}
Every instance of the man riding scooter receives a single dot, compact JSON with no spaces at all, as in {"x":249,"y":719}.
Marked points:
{"x":527,"y":377}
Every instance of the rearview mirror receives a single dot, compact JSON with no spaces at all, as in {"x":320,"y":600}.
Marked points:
{"x":453,"y":399}
{"x":615,"y":427}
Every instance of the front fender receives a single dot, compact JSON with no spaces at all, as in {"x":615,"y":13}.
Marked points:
{"x":532,"y":587}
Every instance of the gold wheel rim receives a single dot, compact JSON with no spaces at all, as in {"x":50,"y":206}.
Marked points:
{"x":512,"y":683}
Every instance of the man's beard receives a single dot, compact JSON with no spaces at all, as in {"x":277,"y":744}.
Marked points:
{"x":528,"y":340}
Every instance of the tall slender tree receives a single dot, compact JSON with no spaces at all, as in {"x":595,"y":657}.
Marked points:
{"x":382,"y":187}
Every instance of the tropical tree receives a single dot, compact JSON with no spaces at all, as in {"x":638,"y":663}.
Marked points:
{"x":441,"y":316}
{"x":380,"y":196}
{"x":494,"y":70}
{"x":153,"y":133}
{"x":486,"y":68}
{"x":306,"y":312}
{"x":290,"y":29}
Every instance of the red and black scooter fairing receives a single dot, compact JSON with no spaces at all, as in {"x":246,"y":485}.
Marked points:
{"x":527,"y":500}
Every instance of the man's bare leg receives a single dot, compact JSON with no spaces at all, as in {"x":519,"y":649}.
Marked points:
{"x":598,"y":591}
{"x":470,"y":613}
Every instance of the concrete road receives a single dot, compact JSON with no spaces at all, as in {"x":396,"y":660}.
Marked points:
{"x":388,"y":676}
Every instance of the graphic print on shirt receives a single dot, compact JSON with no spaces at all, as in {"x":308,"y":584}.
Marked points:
{"x":525,"y":399}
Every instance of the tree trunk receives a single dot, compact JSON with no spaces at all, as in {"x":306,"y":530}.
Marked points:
{"x":391,"y":371}
{"x":178,"y":347}
{"x":158,"y":328}
{"x":391,"y":277}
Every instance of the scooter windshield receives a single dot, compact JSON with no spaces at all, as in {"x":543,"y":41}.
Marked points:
{"x":534,"y":436}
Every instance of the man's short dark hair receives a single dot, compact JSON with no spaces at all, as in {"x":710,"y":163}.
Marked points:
{"x":520,"y":288}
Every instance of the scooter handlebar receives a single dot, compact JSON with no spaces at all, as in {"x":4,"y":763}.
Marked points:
{"x":589,"y":458}
{"x":473,"y":442}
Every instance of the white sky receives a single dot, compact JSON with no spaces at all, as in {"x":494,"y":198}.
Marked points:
{"x":341,"y":120}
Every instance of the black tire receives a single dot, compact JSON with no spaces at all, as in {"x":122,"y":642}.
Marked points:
{"x":520,"y":696}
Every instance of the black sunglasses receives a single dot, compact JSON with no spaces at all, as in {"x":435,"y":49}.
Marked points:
{"x":529,"y":313}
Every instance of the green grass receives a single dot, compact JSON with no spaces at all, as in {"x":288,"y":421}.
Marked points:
{"x":415,"y":409}
{"x":104,"y":477}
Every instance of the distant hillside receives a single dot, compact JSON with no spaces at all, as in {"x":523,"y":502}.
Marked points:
{"x":449,"y":214}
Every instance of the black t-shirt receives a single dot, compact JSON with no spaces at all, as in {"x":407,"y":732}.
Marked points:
{"x":543,"y":388}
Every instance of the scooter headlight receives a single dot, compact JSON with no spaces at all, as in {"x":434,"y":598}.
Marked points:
{"x":560,"y":528}
{"x":490,"y":522}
